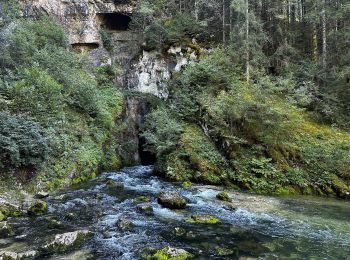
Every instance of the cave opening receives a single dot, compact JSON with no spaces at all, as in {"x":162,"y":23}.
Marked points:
{"x":146,"y":157}
{"x":115,"y":21}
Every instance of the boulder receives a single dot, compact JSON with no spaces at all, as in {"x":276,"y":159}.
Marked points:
{"x":145,"y":208}
{"x":171,"y":200}
{"x":114,"y":185}
{"x":9,"y":210}
{"x":38,"y":208}
{"x":42,"y":195}
{"x":202,"y":218}
{"x":7,"y":255}
{"x":66,"y":241}
{"x":125,"y":224}
{"x":166,"y":253}
{"x":5,"y":229}
{"x":223,"y":196}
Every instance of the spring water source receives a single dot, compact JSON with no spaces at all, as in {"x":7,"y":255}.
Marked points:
{"x":251,"y":227}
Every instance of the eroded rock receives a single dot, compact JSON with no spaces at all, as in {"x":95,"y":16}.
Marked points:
{"x":66,"y":241}
{"x":171,"y":200}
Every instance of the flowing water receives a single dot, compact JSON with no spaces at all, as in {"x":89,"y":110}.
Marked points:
{"x":252,"y":227}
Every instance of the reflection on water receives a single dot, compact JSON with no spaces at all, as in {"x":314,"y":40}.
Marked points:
{"x":252,"y":227}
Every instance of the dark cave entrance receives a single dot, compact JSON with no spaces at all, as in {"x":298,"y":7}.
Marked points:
{"x":115,"y":21}
{"x":146,"y":157}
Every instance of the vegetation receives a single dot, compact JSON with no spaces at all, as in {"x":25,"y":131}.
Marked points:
{"x":253,"y":113}
{"x":57,"y":114}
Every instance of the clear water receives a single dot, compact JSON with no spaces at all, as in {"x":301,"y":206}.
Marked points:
{"x":252,"y":227}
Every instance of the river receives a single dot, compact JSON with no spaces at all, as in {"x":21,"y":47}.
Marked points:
{"x":251,"y":227}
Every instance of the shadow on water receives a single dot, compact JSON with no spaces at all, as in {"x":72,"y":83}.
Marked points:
{"x":252,"y":227}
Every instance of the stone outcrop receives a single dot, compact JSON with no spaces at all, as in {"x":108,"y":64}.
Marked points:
{"x":81,"y":18}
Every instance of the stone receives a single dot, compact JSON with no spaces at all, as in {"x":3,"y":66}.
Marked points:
{"x":186,"y":184}
{"x":202,"y":218}
{"x":66,"y":241}
{"x":125,"y":224}
{"x":42,"y":195}
{"x":223,"y":196}
{"x":9,"y":210}
{"x":38,"y":208}
{"x":179,"y":231}
{"x":141,"y":199}
{"x":5,"y":229}
{"x":166,"y":253}
{"x":171,"y":200}
{"x":224,"y":251}
{"x":53,"y":222}
{"x":114,"y":185}
{"x":145,"y":208}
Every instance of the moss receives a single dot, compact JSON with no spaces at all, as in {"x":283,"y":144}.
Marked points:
{"x":287,"y":190}
{"x":202,"y":218}
{"x":187,"y":184}
{"x":9,"y":210}
{"x":168,"y":253}
{"x":39,"y":207}
{"x":340,"y":187}
{"x":141,"y":199}
{"x":224,"y":251}
{"x":223,"y":196}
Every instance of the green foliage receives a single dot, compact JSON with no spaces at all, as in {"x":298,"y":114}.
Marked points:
{"x":22,"y":142}
{"x":162,"y":132}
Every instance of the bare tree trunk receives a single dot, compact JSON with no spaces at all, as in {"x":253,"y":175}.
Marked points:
{"x":223,"y":22}
{"x":247,"y":43}
{"x":324,"y":35}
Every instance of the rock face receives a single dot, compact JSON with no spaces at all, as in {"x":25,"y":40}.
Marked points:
{"x":81,"y":18}
{"x":64,"y":242}
{"x":171,"y":200}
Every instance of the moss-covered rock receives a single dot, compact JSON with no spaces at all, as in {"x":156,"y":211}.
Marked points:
{"x":9,"y":210}
{"x":225,"y":251}
{"x":287,"y":190}
{"x":67,"y":241}
{"x":166,"y":253}
{"x":39,"y":207}
{"x":187,"y":184}
{"x":171,"y":200}
{"x":145,"y":208}
{"x":202,"y":218}
{"x":5,"y":229}
{"x":125,"y":224}
{"x":179,"y":231}
{"x":114,"y":185}
{"x":142,"y":199}
{"x":224,"y":196}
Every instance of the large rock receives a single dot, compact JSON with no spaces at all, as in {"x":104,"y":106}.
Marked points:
{"x":38,"y":207}
{"x":171,"y":200}
{"x":9,"y":210}
{"x":5,"y":229}
{"x":202,"y":218}
{"x":8,"y":255}
{"x":166,"y":253}
{"x":64,"y":242}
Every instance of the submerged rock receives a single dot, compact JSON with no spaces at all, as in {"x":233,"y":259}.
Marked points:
{"x":171,"y":200}
{"x":224,"y":251}
{"x":141,"y":199}
{"x":125,"y":224}
{"x":145,"y":208}
{"x":114,"y":185}
{"x":166,"y":253}
{"x":223,"y":196}
{"x":7,"y":255}
{"x":66,"y":241}
{"x":202,"y":218}
{"x":5,"y":229}
{"x":179,"y":231}
{"x":38,"y":208}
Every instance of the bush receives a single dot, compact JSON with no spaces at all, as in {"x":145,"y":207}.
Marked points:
{"x":22,"y":142}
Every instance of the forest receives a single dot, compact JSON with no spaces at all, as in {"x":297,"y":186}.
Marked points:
{"x":174,"y":129}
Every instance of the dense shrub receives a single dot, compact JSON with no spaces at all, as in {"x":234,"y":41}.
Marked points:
{"x":22,"y":142}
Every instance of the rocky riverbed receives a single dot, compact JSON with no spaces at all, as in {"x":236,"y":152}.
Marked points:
{"x":118,"y":216}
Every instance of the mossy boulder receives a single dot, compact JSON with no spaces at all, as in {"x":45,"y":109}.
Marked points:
{"x":223,"y":196}
{"x":142,"y":199}
{"x":114,"y":185}
{"x":67,"y":241}
{"x":9,"y":210}
{"x":125,"y":224}
{"x":145,"y":208}
{"x":186,"y":184}
{"x":202,"y":218}
{"x":171,"y":200}
{"x":5,"y":229}
{"x":166,"y":253}
{"x":38,"y":208}
{"x":225,"y":251}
